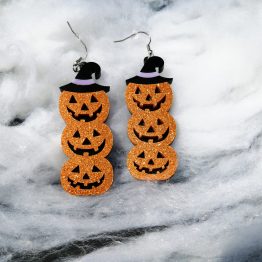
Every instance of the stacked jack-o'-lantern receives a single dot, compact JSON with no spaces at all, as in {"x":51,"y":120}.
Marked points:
{"x":86,"y":140}
{"x":151,"y":128}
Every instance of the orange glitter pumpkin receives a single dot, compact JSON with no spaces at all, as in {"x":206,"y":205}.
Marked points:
{"x":148,"y":162}
{"x":151,"y":128}
{"x":84,"y":107}
{"x":148,"y":97}
{"x":87,"y":140}
{"x":92,"y":177}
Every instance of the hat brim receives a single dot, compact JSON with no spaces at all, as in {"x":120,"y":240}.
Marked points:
{"x":152,"y":80}
{"x":71,"y":87}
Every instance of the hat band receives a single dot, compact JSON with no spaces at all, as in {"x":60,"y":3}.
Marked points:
{"x":83,"y":82}
{"x":148,"y":75}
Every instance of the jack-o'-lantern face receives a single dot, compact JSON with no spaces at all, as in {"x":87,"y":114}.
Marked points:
{"x":150,"y":97}
{"x":87,"y":140}
{"x":148,"y":162}
{"x":91,"y":177}
{"x":84,"y":107}
{"x":152,"y":128}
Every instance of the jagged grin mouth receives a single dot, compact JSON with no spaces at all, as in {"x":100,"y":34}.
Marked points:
{"x":151,"y":107}
{"x":154,"y":170}
{"x":154,"y":138}
{"x":89,"y":186}
{"x":85,"y":117}
{"x":90,"y":152}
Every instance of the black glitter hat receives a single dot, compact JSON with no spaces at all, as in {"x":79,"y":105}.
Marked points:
{"x":83,"y":81}
{"x":148,"y":73}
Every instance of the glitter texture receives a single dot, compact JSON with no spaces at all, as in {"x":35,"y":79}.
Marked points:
{"x":84,"y":107}
{"x":152,"y":162}
{"x":151,"y":129}
{"x":86,"y":140}
{"x":148,"y":97}
{"x":77,"y":175}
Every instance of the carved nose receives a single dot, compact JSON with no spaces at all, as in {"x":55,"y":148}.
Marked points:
{"x":151,"y":162}
{"x":84,"y":107}
{"x":150,"y":129}
{"x":148,"y":98}
{"x":86,"y":142}
{"x":86,"y":176}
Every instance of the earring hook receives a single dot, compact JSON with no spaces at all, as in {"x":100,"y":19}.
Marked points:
{"x":149,"y":50}
{"x":79,"y":62}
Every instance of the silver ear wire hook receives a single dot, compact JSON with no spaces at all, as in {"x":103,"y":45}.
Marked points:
{"x":79,"y":62}
{"x":149,"y":50}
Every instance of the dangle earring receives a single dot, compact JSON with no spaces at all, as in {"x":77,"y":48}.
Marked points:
{"x":86,"y":140}
{"x":151,"y":128}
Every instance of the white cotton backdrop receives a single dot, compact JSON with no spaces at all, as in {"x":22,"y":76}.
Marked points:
{"x":212,"y":49}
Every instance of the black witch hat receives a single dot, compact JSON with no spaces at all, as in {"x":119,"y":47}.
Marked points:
{"x":148,"y":73}
{"x":83,"y":81}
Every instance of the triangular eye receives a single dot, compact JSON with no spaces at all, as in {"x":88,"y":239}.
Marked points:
{"x":157,"y":90}
{"x":96,"y":133}
{"x":76,"y":134}
{"x":160,"y":122}
{"x":93,"y":99}
{"x":142,"y":123}
{"x":142,"y":155}
{"x":72,"y":100}
{"x":159,"y":155}
{"x":96,"y":169}
{"x":76,"y":170}
{"x":137,"y":91}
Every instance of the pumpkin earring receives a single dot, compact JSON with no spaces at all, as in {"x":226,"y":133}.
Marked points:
{"x":86,"y":140}
{"x":151,"y":128}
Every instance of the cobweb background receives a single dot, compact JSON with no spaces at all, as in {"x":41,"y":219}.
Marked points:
{"x":211,"y":209}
